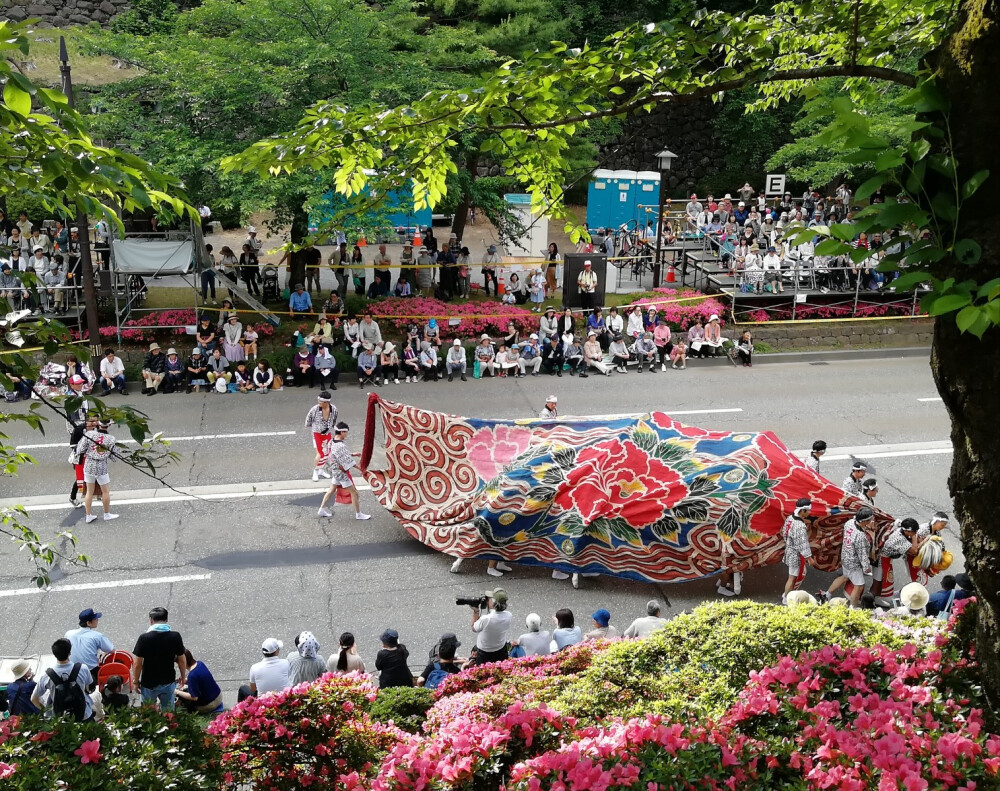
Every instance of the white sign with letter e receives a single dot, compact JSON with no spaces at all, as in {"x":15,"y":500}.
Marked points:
{"x":775,"y":184}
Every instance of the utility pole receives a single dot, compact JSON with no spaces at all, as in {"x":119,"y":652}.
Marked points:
{"x":86,"y":261}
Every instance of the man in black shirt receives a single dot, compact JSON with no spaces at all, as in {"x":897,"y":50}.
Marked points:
{"x":156,"y":651}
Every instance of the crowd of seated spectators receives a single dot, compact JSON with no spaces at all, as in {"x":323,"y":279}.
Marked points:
{"x":39,"y":264}
{"x":747,"y":234}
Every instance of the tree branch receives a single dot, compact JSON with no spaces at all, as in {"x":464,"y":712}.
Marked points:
{"x":819,"y":72}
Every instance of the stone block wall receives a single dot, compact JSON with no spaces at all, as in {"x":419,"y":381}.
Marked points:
{"x":846,"y":334}
{"x":684,"y":129}
{"x":62,"y":13}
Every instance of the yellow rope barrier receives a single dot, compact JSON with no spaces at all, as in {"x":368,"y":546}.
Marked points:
{"x":41,"y":348}
{"x":391,"y":265}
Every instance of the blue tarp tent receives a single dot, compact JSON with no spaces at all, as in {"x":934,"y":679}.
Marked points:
{"x":396,"y":211}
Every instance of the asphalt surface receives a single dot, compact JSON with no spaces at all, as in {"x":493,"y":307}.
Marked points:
{"x":254,"y":560}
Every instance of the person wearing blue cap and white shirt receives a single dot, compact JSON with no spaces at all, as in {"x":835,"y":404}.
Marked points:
{"x":88,"y":643}
{"x":603,"y":630}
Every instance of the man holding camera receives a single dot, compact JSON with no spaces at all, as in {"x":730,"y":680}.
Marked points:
{"x":491,"y":623}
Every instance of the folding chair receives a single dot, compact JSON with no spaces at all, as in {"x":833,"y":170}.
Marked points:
{"x":106,"y":671}
{"x":122,"y":657}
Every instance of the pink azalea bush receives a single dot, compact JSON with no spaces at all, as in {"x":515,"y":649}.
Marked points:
{"x":476,"y":317}
{"x":680,"y":307}
{"x":898,"y":308}
{"x":139,"y":328}
{"x":867,"y":718}
{"x":568,"y":663}
{"x":472,"y":752}
{"x":135,"y":748}
{"x":849,"y":719}
{"x":315,"y":735}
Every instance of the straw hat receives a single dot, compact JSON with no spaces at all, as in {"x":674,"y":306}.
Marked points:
{"x":795,"y":598}
{"x":20,"y":668}
{"x":914,"y":596}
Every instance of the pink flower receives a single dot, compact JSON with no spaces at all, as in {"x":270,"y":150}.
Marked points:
{"x":490,"y":450}
{"x":7,"y":770}
{"x":89,"y":751}
{"x":617,"y":478}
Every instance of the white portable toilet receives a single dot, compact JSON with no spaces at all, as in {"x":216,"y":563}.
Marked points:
{"x":534,"y":242}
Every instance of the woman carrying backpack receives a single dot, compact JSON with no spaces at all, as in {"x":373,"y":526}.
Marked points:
{"x":444,"y":665}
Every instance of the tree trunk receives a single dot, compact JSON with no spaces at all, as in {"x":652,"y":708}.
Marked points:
{"x":299,"y":230}
{"x":462,"y":210}
{"x":967,"y":369}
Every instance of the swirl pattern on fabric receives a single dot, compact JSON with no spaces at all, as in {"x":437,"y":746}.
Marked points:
{"x":638,"y":496}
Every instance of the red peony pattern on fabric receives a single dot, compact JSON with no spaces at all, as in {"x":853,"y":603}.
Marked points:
{"x":489,"y":450}
{"x":617,"y":478}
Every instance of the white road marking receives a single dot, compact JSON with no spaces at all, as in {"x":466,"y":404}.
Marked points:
{"x":932,"y":448}
{"x":925,"y":400}
{"x":89,"y":586}
{"x":702,"y":411}
{"x":241,"y":491}
{"x":229,"y":491}
{"x":174,"y":439}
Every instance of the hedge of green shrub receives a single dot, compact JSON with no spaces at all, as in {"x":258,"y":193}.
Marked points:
{"x":135,"y":749}
{"x":698,"y":663}
{"x":406,"y":707}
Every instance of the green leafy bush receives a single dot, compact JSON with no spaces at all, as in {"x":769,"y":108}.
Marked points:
{"x":406,"y":707}
{"x":698,"y":663}
{"x":137,"y":749}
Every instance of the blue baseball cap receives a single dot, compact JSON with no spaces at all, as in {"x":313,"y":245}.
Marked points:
{"x":90,"y":615}
{"x":390,"y":637}
{"x":602,"y":616}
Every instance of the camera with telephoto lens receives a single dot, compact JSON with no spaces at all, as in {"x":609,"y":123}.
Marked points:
{"x":477,"y":601}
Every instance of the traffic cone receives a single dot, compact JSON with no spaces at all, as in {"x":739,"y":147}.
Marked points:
{"x":418,"y":240}
{"x":362,"y":242}
{"x":501,"y":286}
{"x":671,"y":277}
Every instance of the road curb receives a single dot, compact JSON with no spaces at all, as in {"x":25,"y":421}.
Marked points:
{"x":843,"y":355}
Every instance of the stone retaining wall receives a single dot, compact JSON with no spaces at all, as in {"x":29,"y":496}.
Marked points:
{"x":685,"y":129}
{"x":62,"y":13}
{"x":847,"y":334}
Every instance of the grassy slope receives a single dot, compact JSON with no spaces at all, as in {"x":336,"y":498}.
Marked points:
{"x":88,"y":70}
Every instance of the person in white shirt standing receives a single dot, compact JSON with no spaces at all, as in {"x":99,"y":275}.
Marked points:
{"x":586,"y":284}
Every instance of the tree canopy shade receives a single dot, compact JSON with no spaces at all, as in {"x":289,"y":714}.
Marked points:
{"x":532,"y":109}
{"x":529,"y":111}
{"x":46,"y":152}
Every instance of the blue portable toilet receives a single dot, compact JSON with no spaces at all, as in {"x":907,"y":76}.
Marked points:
{"x":623,"y":200}
{"x":599,"y":195}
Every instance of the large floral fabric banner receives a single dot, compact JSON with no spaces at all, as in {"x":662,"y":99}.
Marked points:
{"x":638,"y":496}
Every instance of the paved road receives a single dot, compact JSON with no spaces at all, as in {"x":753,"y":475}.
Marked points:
{"x":247,"y":558}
